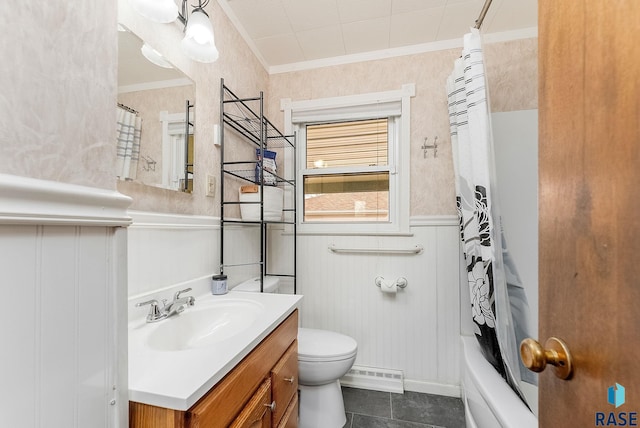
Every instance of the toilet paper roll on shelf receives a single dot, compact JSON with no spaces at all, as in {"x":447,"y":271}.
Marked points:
{"x":390,"y":287}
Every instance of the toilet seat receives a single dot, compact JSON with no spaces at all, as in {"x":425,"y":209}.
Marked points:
{"x":322,"y":345}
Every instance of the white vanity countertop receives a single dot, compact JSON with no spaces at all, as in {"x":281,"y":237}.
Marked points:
{"x":178,"y":379}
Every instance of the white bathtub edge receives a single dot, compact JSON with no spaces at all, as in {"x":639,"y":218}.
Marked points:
{"x":503,"y":403}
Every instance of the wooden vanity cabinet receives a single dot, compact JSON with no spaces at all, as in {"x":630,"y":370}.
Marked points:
{"x":257,"y":413}
{"x":290,"y":418}
{"x":238,"y":399}
{"x":284,"y":383}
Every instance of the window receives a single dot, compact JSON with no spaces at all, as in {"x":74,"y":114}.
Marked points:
{"x":346,"y":173}
{"x":353,"y":162}
{"x":173,"y":151}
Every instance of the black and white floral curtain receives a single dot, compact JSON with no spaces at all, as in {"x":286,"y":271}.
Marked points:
{"x":479,"y":220}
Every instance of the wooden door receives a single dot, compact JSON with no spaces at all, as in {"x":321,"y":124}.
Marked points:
{"x":589,"y":207}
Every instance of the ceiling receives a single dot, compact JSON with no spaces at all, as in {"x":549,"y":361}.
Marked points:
{"x":294,"y":34}
{"x":286,"y":32}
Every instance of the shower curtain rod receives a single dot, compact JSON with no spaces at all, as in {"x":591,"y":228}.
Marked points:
{"x":483,"y":13}
{"x":127,"y":108}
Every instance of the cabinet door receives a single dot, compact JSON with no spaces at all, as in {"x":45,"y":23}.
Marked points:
{"x":284,"y":380}
{"x":218,"y":408}
{"x":257,"y":412}
{"x":290,"y":418}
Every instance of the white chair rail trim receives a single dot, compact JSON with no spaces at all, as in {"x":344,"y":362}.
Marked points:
{"x":434,"y":220}
{"x":153,"y":220}
{"x":25,"y":200}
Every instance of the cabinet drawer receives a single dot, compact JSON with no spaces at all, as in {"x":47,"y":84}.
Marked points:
{"x":284,"y":381}
{"x":257,"y":412}
{"x":290,"y":418}
{"x":218,"y":408}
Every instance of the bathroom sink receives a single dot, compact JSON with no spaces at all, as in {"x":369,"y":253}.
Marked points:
{"x":173,"y":362}
{"x":203,"y":325}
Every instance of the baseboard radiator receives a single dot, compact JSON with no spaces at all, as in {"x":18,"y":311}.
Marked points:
{"x":374,"y":378}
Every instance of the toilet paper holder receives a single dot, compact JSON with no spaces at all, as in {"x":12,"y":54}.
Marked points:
{"x":400,"y":282}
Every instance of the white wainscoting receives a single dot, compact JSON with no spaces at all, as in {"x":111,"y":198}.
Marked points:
{"x":170,"y":250}
{"x":62,"y":325}
{"x":417,"y":330}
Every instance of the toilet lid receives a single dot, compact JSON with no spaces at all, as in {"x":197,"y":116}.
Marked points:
{"x":320,"y":345}
{"x":270,"y":284}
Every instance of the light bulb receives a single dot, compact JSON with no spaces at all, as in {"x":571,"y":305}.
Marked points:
{"x":198,"y":43}
{"x":199,"y":27}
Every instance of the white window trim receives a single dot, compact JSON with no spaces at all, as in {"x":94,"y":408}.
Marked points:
{"x":173,"y":148}
{"x":360,"y":107}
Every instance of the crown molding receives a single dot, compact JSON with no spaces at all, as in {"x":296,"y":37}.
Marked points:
{"x":526,"y":33}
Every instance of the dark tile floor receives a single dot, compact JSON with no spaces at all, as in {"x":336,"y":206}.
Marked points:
{"x":375,"y":409}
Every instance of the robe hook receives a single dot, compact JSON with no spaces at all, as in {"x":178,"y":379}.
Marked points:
{"x":425,"y":147}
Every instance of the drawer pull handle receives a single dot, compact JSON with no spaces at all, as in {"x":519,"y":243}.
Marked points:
{"x":290,"y":379}
{"x":271,"y":406}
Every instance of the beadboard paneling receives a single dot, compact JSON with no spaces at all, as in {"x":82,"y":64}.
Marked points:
{"x":169,"y":252}
{"x":63,"y":263}
{"x":448,"y":296}
{"x":60,"y":356}
{"x":165,"y":250}
{"x":242,"y":245}
{"x":417,"y":330}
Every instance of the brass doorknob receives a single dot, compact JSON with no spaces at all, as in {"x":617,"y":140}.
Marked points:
{"x":555,"y":352}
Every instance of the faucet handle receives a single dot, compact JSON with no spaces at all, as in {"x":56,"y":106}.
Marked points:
{"x":153,"y":302}
{"x":178,"y":293}
{"x":155,"y":314}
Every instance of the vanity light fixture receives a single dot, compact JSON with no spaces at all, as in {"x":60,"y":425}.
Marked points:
{"x":198,"y":42}
{"x":154,"y":56}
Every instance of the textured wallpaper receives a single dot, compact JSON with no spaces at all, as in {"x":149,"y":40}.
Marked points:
{"x":58,"y":83}
{"x":513,"y":85}
{"x":241,"y":71}
{"x":511,"y":70}
{"x":57,"y":105}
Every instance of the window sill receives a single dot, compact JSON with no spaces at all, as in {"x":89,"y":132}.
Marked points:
{"x":328,"y":230}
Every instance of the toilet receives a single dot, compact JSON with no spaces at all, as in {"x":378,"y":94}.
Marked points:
{"x":323,"y":358}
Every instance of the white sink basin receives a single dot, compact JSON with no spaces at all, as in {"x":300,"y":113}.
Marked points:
{"x":174,"y":362}
{"x":204,"y":324}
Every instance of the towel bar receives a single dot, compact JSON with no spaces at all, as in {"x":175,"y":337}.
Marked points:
{"x":417,"y":249}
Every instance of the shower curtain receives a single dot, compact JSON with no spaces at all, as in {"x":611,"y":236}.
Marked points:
{"x":129,"y":129}
{"x":491,"y":275}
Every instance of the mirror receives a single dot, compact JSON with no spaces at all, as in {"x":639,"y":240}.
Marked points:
{"x":154,"y":100}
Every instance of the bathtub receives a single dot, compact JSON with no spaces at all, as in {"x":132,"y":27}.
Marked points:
{"x":488,"y":401}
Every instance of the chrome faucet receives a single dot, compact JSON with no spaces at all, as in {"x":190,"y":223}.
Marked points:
{"x":179,"y":304}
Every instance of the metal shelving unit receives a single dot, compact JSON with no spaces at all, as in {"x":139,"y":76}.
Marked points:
{"x":245,"y":117}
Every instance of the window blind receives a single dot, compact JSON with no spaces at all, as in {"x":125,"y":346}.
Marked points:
{"x":359,"y":143}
